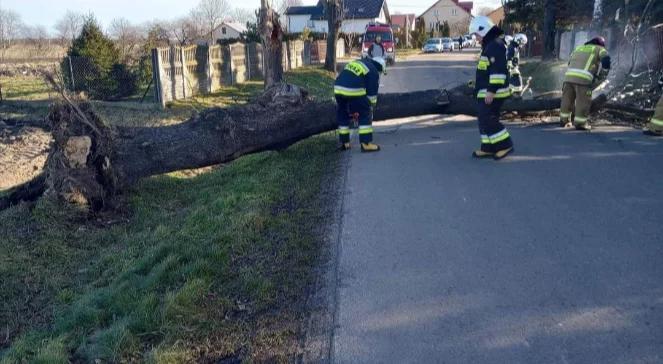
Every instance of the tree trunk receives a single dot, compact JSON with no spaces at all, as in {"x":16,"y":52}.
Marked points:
{"x":549,"y":30}
{"x":334,"y":20}
{"x":90,"y":163}
{"x":271,"y":34}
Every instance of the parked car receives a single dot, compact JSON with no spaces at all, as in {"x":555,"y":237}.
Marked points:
{"x":471,"y":41}
{"x":468,"y":42}
{"x":433,"y":45}
{"x":449,"y":44}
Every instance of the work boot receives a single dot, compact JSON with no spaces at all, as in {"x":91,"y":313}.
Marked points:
{"x":502,"y":153}
{"x":585,"y":127}
{"x":369,"y":147}
{"x":481,"y":154}
{"x":345,"y":146}
{"x":566,"y":124}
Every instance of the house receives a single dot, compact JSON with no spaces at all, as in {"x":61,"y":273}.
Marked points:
{"x":398,"y":21}
{"x":300,"y":17}
{"x":497,"y":15}
{"x":357,"y":14}
{"x":456,"y":13}
{"x":229,"y":30}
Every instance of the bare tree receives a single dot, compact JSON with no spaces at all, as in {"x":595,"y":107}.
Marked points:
{"x":271,"y":34}
{"x":37,"y":40}
{"x":69,"y":26}
{"x":244,"y":16}
{"x":212,"y":13}
{"x":334,"y":11}
{"x":283,"y":5}
{"x":126,"y":35}
{"x":185,"y":30}
{"x":10,"y":27}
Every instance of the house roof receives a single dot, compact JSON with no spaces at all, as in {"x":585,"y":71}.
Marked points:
{"x":363,"y":9}
{"x":399,"y":19}
{"x":467,"y":6}
{"x":313,"y":11}
{"x":239,"y":27}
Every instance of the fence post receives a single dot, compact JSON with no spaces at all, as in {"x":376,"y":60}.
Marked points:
{"x":248,"y":60}
{"x":232,"y":78}
{"x":156,"y":75}
{"x":71,"y":73}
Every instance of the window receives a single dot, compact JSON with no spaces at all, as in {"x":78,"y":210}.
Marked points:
{"x":454,"y":12}
{"x":223,"y":30}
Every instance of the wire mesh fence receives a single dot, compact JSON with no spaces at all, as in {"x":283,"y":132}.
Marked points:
{"x":82,"y":76}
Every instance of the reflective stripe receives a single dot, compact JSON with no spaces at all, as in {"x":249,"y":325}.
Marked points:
{"x":343,"y":130}
{"x":580,"y":73}
{"x":498,"y":79}
{"x":580,"y":119}
{"x":603,"y":53}
{"x":485,"y":139}
{"x":657,"y":122}
{"x":358,"y":68}
{"x":347,"y":91}
{"x":589,"y":62}
{"x":483,"y":63}
{"x":363,"y":129}
{"x":564,"y":114}
{"x":373,"y":99}
{"x":501,"y":136}
{"x":500,"y":94}
{"x":516,"y":88}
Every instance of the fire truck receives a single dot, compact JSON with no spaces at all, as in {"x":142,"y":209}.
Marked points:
{"x":374,"y":30}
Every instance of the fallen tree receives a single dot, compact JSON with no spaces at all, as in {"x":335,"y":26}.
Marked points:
{"x":91,"y":162}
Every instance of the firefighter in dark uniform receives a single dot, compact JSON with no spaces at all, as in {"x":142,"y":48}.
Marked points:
{"x":655,"y":126}
{"x":356,"y":91}
{"x":492,"y":89}
{"x":513,"y":60}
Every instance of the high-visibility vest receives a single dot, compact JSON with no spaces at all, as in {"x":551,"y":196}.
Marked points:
{"x":585,"y":64}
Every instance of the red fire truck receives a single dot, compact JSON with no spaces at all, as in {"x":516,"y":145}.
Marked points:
{"x":375,"y":30}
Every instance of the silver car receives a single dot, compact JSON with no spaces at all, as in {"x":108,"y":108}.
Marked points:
{"x":433,"y":45}
{"x":448,"y":44}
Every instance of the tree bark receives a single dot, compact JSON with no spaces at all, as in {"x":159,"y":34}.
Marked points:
{"x":271,"y":34}
{"x":90,"y":163}
{"x":549,"y":25}
{"x":334,"y":20}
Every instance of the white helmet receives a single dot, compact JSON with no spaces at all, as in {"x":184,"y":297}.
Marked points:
{"x":508,"y":39}
{"x":382,"y":63}
{"x":481,"y":25}
{"x":521,"y":39}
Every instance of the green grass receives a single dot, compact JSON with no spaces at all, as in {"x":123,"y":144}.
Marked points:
{"x":26,"y":88}
{"x":198,"y":268}
{"x":546,"y":76}
{"x":317,"y":81}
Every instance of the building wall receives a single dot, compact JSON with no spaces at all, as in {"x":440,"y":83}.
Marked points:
{"x":457,"y":17}
{"x":230,"y":33}
{"x":297,"y":23}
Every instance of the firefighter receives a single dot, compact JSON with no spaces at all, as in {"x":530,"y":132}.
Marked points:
{"x":356,"y":91}
{"x":492,"y":89}
{"x":588,"y":67}
{"x":513,"y":60}
{"x":655,"y":126}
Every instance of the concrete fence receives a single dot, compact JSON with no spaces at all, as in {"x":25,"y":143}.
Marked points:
{"x":182,"y":72}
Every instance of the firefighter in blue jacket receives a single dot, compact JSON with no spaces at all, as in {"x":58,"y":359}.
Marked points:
{"x":492,"y":89}
{"x":356,"y":91}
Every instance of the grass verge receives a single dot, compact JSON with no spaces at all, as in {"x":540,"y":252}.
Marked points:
{"x":202,"y":269}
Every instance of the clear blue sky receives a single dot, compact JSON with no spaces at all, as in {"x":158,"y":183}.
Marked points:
{"x":47,"y":12}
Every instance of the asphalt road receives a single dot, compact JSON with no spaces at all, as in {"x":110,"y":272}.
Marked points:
{"x":554,"y":255}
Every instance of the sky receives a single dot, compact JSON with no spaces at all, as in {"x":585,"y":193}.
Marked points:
{"x":47,"y":12}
